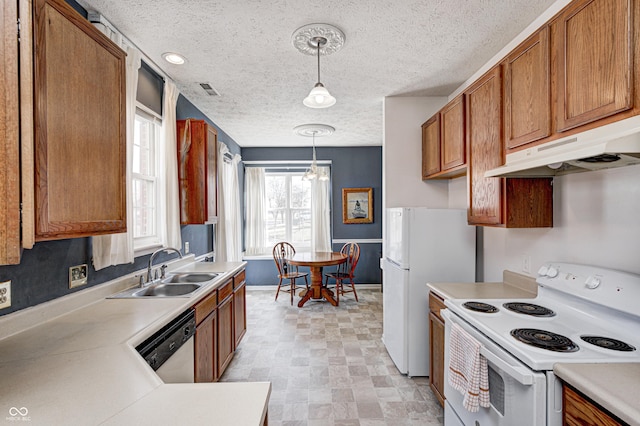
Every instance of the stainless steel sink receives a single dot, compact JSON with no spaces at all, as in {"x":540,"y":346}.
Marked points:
{"x":166,"y":290}
{"x":189,"y":278}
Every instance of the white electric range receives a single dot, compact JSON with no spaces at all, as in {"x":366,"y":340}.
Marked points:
{"x":582,"y":314}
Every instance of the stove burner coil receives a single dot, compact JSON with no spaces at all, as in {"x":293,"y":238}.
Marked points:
{"x":529,"y":309}
{"x":544,"y":339}
{"x":480,"y":307}
{"x":608,"y":343}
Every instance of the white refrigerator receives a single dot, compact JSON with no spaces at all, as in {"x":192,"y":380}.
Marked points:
{"x":421,"y":245}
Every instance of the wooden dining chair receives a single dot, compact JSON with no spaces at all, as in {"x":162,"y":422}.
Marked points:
{"x":286,"y":271}
{"x":346,"y":271}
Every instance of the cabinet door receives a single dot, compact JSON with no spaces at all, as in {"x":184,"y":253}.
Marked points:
{"x":594,"y":48}
{"x":436,"y":354}
{"x":431,"y":146}
{"x":225,"y":334}
{"x":212,"y":173}
{"x":9,"y":138}
{"x":453,"y":150}
{"x":206,"y":362}
{"x":239,"y":312}
{"x":527,"y":97}
{"x":483,"y":105}
{"x":79,"y":83}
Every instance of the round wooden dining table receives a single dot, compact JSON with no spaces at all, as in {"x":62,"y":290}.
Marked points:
{"x":316,"y":261}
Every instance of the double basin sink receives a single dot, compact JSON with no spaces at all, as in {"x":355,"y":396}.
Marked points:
{"x":175,"y":285}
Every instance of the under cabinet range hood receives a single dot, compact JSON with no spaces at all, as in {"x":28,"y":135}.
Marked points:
{"x":612,"y":145}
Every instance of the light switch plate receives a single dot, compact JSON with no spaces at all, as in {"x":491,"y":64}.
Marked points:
{"x":5,"y":294}
{"x":78,"y":275}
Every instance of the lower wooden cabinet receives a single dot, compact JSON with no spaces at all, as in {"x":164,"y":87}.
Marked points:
{"x":578,"y":411}
{"x":436,"y":347}
{"x":220,"y":326}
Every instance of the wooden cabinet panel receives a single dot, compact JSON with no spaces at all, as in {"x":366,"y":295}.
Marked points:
{"x":206,"y":362}
{"x":197,"y":171}
{"x":578,"y":411}
{"x":436,"y":347}
{"x":239,"y":308}
{"x":431,"y":146}
{"x":79,"y":82}
{"x":453,"y":147}
{"x":9,"y":137}
{"x":594,"y":60}
{"x":527,"y":96}
{"x":484,"y":142}
{"x":225,"y":334}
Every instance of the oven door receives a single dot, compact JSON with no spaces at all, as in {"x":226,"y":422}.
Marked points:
{"x":517,"y":393}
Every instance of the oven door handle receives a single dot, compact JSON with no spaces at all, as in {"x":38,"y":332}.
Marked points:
{"x":521,"y":374}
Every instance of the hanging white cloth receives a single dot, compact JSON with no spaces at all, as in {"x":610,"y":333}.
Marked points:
{"x":321,"y":213}
{"x":255,"y":210}
{"x":173,"y":237}
{"x":229,"y":231}
{"x":117,"y":249}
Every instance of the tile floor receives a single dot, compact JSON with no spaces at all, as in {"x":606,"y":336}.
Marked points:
{"x":327,"y":365}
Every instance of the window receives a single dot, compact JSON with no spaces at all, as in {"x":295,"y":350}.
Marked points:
{"x":145,"y":181}
{"x":288,"y":209}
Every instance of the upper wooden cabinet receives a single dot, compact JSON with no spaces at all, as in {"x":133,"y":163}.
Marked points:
{"x":594,"y":44}
{"x":197,"y":171}
{"x":443,"y":143}
{"x":431,"y":146}
{"x":527,"y":96}
{"x":512,"y":203}
{"x":80,"y":151}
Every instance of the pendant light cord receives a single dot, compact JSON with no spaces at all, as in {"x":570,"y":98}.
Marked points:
{"x":318,"y":47}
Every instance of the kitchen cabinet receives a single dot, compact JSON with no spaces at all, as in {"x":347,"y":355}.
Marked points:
{"x":436,"y":346}
{"x":527,"y":96}
{"x":205,"y":344}
{"x":9,"y":138}
{"x":80,"y":150}
{"x":514,"y":202}
{"x":226,"y":342}
{"x":197,"y":171}
{"x":239,"y":303}
{"x":578,"y":410}
{"x":594,"y":64}
{"x":443,"y":142}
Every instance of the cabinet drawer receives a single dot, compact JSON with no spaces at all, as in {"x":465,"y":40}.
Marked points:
{"x":225,"y":290}
{"x":436,"y":304}
{"x":580,"y":411}
{"x":206,"y":306}
{"x":239,"y":279}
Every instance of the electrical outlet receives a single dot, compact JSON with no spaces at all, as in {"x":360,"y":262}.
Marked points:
{"x":526,"y":263}
{"x":78,"y":275}
{"x":186,"y":247}
{"x":5,"y":294}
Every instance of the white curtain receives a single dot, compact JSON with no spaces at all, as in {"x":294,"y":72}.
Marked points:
{"x":255,"y":208}
{"x":117,"y":249}
{"x":229,"y":231}
{"x":320,"y":213}
{"x":173,"y":237}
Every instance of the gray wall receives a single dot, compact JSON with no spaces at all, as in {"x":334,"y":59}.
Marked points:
{"x":351,"y":167}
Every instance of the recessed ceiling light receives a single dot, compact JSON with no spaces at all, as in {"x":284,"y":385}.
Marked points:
{"x":173,"y":58}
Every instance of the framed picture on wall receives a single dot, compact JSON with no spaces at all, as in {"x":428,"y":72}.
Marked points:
{"x":357,"y":205}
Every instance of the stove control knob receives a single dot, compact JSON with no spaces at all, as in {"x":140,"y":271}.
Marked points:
{"x":552,"y":272}
{"x":543,"y":270}
{"x":592,"y":282}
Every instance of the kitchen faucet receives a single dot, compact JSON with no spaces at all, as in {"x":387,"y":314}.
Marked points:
{"x":168,"y":250}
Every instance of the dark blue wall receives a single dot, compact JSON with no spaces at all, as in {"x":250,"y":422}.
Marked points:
{"x":351,"y":167}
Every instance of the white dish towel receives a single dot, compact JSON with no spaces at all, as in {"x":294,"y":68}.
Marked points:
{"x":468,"y":371}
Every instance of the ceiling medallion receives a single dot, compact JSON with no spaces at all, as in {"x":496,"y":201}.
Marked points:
{"x":304,"y":39}
{"x":316,"y":130}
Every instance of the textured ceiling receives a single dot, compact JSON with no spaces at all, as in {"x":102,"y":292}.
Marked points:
{"x":243,"y":49}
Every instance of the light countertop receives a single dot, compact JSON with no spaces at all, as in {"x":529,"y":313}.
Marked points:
{"x":73,"y":361}
{"x":616,"y":387}
{"x":513,"y":286}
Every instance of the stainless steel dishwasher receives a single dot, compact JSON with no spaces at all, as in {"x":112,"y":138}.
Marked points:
{"x":170,"y":350}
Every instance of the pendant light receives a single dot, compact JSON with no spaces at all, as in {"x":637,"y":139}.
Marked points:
{"x":318,"y":39}
{"x":313,"y":130}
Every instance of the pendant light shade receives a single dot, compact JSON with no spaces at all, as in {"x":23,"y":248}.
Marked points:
{"x":317,"y":39}
{"x":313,"y":130}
